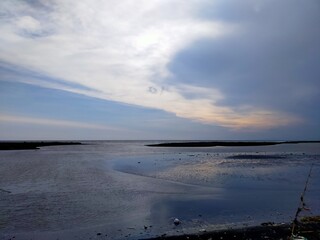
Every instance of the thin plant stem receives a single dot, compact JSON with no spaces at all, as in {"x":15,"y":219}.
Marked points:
{"x":301,"y":203}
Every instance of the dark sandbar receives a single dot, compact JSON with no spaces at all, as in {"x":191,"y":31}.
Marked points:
{"x":32,"y":145}
{"x":227,"y":143}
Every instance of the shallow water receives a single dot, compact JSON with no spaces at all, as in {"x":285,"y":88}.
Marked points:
{"x":116,"y":188}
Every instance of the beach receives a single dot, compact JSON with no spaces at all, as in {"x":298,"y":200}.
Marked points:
{"x":127,"y":190}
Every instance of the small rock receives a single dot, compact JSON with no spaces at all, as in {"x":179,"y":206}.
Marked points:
{"x":202,"y":230}
{"x":98,"y":234}
{"x":176,"y":221}
{"x":145,"y":227}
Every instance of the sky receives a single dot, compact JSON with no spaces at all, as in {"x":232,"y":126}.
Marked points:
{"x":160,"y":69}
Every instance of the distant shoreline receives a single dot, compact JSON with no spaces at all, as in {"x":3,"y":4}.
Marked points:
{"x":29,"y":145}
{"x":226,"y":143}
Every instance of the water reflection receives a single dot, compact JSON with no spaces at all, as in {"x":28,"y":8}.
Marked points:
{"x":117,"y":188}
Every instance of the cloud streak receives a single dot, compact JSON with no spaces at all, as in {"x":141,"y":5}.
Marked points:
{"x":119,"y":51}
{"x":50,"y":122}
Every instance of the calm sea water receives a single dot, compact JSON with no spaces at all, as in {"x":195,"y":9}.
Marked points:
{"x":123,"y":189}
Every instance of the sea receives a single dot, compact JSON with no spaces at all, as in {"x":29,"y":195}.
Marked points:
{"x":127,"y":190}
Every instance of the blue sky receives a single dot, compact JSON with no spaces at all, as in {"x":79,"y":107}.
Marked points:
{"x":159,"y":69}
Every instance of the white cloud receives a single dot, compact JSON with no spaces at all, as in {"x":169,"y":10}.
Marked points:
{"x":120,"y":49}
{"x":28,"y":24}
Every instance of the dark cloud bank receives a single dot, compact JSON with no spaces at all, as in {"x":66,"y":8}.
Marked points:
{"x":271,"y":61}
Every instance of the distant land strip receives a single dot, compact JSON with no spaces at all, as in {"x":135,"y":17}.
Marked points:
{"x":227,"y":143}
{"x":24,"y":145}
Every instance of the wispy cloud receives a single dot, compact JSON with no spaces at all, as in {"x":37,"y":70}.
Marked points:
{"x":119,"y":51}
{"x":51,"y":122}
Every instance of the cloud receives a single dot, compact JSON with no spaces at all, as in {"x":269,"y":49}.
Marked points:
{"x":50,"y":122}
{"x":28,"y":24}
{"x":271,"y":62}
{"x":120,"y":51}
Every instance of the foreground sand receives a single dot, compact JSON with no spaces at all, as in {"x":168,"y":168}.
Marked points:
{"x":310,"y":231}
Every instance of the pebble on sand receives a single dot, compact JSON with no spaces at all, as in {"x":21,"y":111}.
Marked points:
{"x":176,"y":221}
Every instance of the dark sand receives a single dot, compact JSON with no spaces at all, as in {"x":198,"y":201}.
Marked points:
{"x":311,"y":231}
{"x":32,"y":144}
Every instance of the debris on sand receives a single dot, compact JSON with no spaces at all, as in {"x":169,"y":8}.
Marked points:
{"x":176,"y":221}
